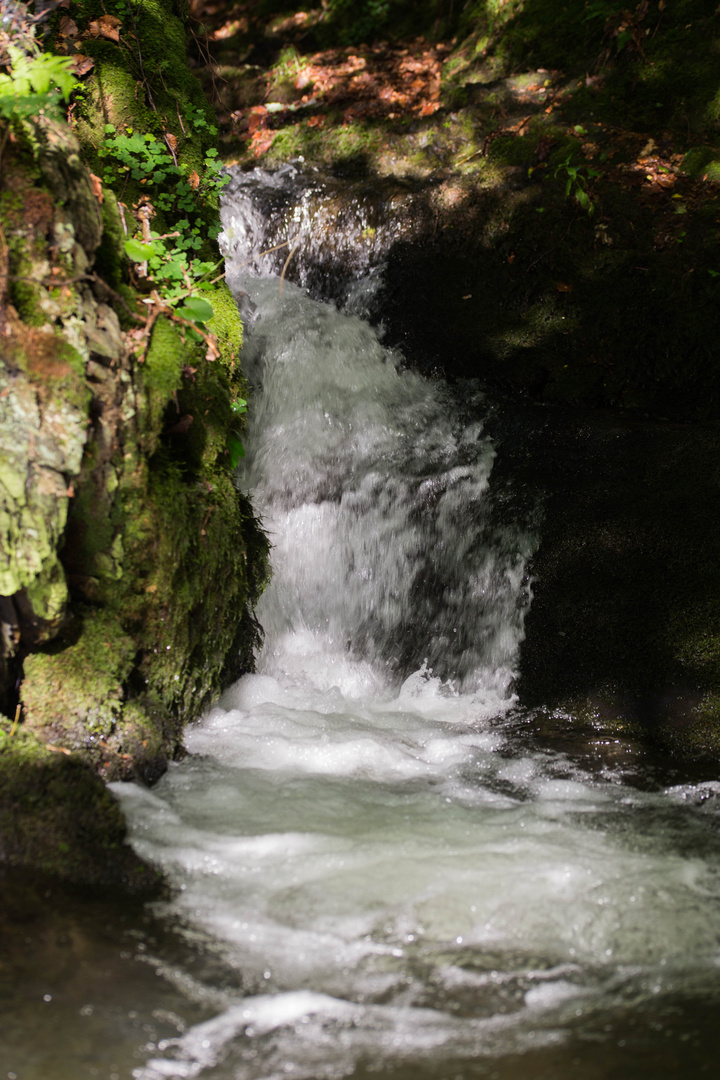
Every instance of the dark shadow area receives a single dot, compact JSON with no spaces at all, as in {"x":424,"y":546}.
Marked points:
{"x":626,"y":580}
{"x":79,"y":986}
{"x":647,"y":66}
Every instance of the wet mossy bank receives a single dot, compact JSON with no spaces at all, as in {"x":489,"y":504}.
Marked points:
{"x":130,"y":564}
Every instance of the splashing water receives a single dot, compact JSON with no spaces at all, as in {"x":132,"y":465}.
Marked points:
{"x":398,"y":881}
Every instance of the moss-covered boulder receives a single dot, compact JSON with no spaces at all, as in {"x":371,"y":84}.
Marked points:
{"x":129,"y":562}
{"x":58,"y":818}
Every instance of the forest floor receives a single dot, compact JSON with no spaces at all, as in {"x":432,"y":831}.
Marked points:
{"x":601,"y":180}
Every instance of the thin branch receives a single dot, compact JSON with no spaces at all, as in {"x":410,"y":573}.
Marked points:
{"x":276,"y":248}
{"x":287,"y":263}
{"x":4,"y":263}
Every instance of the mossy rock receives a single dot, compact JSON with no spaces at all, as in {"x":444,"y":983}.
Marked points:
{"x":58,"y":818}
{"x":147,"y":589}
{"x":80,"y":688}
{"x":696,"y":160}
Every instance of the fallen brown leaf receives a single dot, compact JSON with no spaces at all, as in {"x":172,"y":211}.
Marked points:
{"x":82,"y":64}
{"x":67,"y":27}
{"x":97,"y":187}
{"x":107,"y":26}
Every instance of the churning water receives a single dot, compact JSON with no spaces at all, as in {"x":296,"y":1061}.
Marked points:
{"x":400,"y":884}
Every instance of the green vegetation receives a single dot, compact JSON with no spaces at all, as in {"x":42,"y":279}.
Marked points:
{"x":576,"y":181}
{"x":122,"y":404}
{"x":35,"y":84}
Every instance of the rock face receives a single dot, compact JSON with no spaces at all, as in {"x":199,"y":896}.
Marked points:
{"x":129,"y":563}
{"x":622,"y":633}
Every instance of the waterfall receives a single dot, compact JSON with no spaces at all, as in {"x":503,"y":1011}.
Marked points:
{"x":400,"y":884}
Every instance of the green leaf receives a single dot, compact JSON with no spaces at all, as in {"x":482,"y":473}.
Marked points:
{"x":197,"y":309}
{"x":138,"y":252}
{"x":173,"y":270}
{"x":236,"y":448}
{"x":622,"y":39}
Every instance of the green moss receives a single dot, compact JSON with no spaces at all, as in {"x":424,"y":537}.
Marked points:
{"x":354,"y":138}
{"x":205,"y":534}
{"x":226,"y":323}
{"x":82,"y":684}
{"x":57,"y":817}
{"x":164,"y":361}
{"x":329,"y":145}
{"x":26,"y":298}
{"x":169,"y":86}
{"x":47,"y":593}
{"x":109,"y":256}
{"x":24,"y":295}
{"x":696,"y":159}
{"x":702,"y":737}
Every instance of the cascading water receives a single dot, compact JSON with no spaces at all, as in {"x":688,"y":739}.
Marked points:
{"x":400,"y":885}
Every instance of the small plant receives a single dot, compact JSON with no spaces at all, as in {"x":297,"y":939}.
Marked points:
{"x":171,"y":267}
{"x":36,"y":86}
{"x":576,"y":182}
{"x":235,"y":446}
{"x":170,"y":261}
{"x":174,"y":295}
{"x":153,"y":164}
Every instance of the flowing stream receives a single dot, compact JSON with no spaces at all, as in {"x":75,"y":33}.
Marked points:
{"x":389,"y":879}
